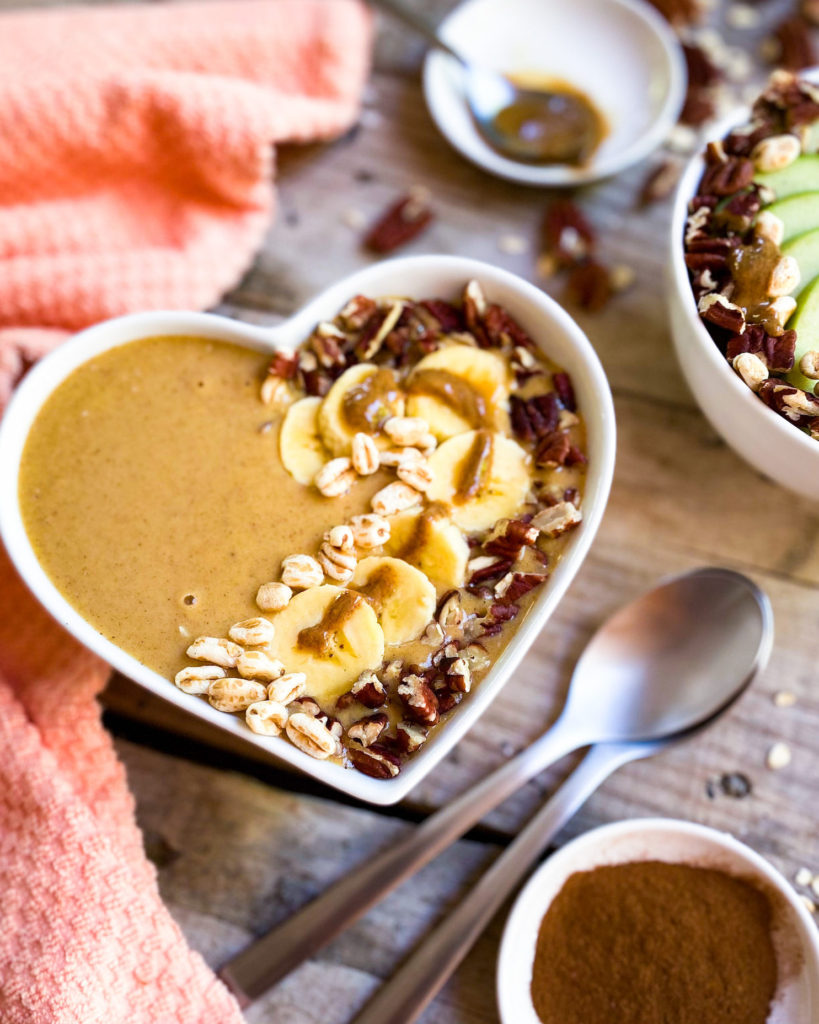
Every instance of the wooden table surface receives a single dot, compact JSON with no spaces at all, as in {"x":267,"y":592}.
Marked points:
{"x":240,"y":844}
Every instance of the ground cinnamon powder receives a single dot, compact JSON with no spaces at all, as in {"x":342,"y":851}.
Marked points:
{"x":655,"y":943}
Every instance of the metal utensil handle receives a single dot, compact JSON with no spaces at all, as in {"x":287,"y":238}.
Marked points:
{"x":417,"y":21}
{"x":404,"y":997}
{"x":258,"y":967}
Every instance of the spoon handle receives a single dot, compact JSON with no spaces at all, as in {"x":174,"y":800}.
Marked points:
{"x":256,"y":968}
{"x":418,"y":22}
{"x":419,"y":979}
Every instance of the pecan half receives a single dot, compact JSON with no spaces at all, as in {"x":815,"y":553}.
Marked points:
{"x":723,"y":179}
{"x":450,"y":319}
{"x":400,"y":223}
{"x":553,"y":450}
{"x":513,"y":586}
{"x":536,"y":417}
{"x":376,"y":761}
{"x":660,"y":182}
{"x":793,"y":45}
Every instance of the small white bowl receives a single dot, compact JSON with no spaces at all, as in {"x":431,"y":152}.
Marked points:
{"x":763,"y":438}
{"x":621,"y":53}
{"x":795,"y":935}
{"x":418,"y":276}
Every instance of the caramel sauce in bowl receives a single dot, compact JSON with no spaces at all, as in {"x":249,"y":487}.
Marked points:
{"x":552,"y":122}
{"x":416,"y":277}
{"x":619,"y":54}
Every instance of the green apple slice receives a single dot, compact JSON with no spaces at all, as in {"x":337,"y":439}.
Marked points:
{"x":800,"y":176}
{"x":805,"y":250}
{"x":805,"y":321}
{"x":799,"y":213}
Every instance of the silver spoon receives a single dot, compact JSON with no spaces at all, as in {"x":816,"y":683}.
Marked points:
{"x":663,"y":666}
{"x":532,"y":125}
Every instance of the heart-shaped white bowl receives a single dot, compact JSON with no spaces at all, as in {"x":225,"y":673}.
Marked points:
{"x":419,"y":276}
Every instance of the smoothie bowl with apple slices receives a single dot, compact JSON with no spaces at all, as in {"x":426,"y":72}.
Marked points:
{"x":334,"y":538}
{"x":745,"y":282}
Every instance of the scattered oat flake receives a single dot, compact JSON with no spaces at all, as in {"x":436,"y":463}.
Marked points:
{"x":804,"y":877}
{"x":354,"y":218}
{"x":814,"y":885}
{"x":779,"y":756}
{"x":742,"y":16}
{"x":784,"y":699}
{"x":513,"y":244}
{"x":808,"y":904}
{"x":621,"y":276}
{"x":681,"y":139}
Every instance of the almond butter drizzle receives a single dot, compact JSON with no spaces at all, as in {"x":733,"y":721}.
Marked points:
{"x":422,"y":531}
{"x":321,"y":638}
{"x":751,"y":268}
{"x":554,"y":123}
{"x":453,"y":391}
{"x":475,"y":467}
{"x":380,"y":585}
{"x":367,"y":405}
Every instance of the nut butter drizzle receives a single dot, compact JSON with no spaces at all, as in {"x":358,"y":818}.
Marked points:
{"x":751,"y":268}
{"x":453,"y":391}
{"x":475,"y":468}
{"x":422,"y":531}
{"x":321,"y":638}
{"x":367,"y":405}
{"x":379,"y":586}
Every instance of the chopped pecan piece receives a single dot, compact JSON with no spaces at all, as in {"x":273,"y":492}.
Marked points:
{"x":376,"y":761}
{"x":735,"y":174}
{"x":503,"y":611}
{"x":357,"y":313}
{"x":508,"y":537}
{"x":660,"y":182}
{"x":501,"y":328}
{"x":776,"y":353}
{"x":565,"y":391}
{"x":493,"y":570}
{"x":367,"y":730}
{"x":409,"y":737}
{"x":589,"y":286}
{"x":567,"y":236}
{"x":536,"y":417}
{"x":400,"y":223}
{"x":553,"y":450}
{"x":514,"y":585}
{"x":419,"y":700}
{"x":793,"y":45}
{"x":720,"y":311}
{"x":450,"y":319}
{"x":284,"y":364}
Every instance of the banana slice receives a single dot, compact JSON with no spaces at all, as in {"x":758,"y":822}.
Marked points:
{"x":459,"y":388}
{"x":482,"y":475}
{"x":431,"y":542}
{"x":362,"y":398}
{"x":332,"y":635}
{"x":402,"y":597}
{"x":300,"y":446}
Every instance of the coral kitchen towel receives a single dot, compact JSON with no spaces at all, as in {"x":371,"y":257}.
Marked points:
{"x":135,"y":163}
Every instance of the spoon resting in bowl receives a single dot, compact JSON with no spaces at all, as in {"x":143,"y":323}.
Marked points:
{"x":534,"y":121}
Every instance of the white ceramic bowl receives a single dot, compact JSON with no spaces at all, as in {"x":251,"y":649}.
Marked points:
{"x":419,"y":276}
{"x":795,"y":935}
{"x":621,"y":53}
{"x":763,"y":438}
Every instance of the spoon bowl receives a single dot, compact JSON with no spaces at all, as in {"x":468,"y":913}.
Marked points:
{"x":671,"y":660}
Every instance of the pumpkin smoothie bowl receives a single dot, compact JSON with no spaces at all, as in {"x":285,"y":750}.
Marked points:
{"x":331,"y":545}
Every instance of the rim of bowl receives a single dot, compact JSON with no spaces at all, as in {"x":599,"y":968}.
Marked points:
{"x":686,"y":190}
{"x":558,"y":175}
{"x":28,"y":400}
{"x":511,"y":949}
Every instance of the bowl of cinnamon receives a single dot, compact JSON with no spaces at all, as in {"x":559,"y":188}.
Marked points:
{"x":647,"y":921}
